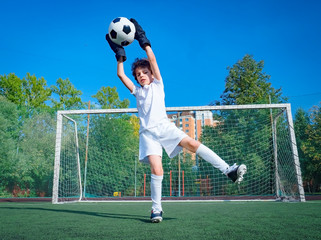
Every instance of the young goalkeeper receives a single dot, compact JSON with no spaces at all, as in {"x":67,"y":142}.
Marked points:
{"x":156,"y":131}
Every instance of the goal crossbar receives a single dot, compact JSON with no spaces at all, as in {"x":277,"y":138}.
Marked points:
{"x":178,"y":109}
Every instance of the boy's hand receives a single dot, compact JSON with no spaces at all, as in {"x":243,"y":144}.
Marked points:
{"x":140,"y":35}
{"x":118,"y":50}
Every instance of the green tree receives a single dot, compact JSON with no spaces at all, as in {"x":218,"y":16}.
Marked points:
{"x":312,"y":148}
{"x":113,"y":151}
{"x":108,"y":98}
{"x":69,"y":97}
{"x":9,"y":132}
{"x":232,"y":140}
{"x":248,"y":84}
{"x":29,"y":91}
{"x":301,"y":123}
{"x":36,"y":91}
{"x":11,"y":87}
{"x":36,"y":153}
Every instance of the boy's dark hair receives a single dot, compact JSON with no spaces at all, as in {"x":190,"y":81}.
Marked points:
{"x":140,"y":63}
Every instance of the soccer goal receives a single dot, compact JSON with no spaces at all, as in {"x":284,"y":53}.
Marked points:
{"x":96,"y":155}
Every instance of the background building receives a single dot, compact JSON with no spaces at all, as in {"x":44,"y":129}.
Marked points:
{"x":193,"y":122}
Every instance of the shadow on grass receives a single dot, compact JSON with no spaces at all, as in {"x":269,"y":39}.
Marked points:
{"x":140,"y":218}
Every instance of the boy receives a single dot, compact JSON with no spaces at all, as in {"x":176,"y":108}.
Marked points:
{"x":156,"y":131}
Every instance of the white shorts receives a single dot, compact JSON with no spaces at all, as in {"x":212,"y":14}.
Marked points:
{"x":152,"y":141}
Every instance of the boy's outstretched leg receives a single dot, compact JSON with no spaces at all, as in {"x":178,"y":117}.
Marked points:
{"x":211,"y":157}
{"x":235,"y":172}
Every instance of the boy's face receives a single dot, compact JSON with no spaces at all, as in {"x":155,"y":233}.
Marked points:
{"x":144,"y":76}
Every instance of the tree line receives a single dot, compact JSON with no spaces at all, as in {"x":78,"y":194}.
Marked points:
{"x":32,"y":92}
{"x":247,"y":83}
{"x":28,"y":109}
{"x":27,"y":129}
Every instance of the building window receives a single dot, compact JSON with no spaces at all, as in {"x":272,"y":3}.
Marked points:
{"x":186,"y":125}
{"x":186,"y":130}
{"x":186,"y":119}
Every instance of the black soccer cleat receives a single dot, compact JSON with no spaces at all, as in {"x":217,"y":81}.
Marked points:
{"x":235,"y":173}
{"x":156,"y":216}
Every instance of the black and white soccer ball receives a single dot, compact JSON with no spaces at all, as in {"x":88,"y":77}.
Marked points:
{"x":121,"y":31}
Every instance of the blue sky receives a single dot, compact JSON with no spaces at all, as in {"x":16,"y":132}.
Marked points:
{"x":194,"y":42}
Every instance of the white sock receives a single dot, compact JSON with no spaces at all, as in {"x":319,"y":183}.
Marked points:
{"x":156,"y":191}
{"x":211,"y":157}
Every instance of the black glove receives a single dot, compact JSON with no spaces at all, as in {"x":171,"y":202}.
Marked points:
{"x":140,"y":35}
{"x":119,"y":50}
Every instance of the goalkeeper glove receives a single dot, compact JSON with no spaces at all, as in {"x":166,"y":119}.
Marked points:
{"x":118,"y":50}
{"x":140,"y":35}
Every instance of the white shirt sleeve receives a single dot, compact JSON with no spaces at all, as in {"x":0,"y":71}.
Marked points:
{"x":159,"y":81}
{"x":134,"y":91}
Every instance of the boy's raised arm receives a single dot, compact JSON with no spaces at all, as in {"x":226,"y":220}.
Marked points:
{"x":122,"y":76}
{"x":121,"y":58}
{"x":153,"y":63}
{"x":144,"y":43}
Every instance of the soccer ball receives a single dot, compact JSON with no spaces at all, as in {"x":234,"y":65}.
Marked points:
{"x":121,"y":31}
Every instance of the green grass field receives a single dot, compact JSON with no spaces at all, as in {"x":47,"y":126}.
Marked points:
{"x":182,"y":220}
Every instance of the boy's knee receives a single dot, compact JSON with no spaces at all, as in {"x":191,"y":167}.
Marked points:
{"x":193,"y":145}
{"x":158,"y":171}
{"x":190,"y":144}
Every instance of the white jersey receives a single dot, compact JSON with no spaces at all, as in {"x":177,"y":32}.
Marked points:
{"x":150,"y":104}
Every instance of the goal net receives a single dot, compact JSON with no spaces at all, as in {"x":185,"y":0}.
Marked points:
{"x":96,"y":155}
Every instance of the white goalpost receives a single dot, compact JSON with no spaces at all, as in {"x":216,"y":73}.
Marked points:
{"x":96,"y":155}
